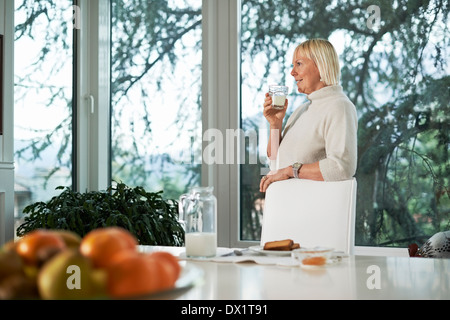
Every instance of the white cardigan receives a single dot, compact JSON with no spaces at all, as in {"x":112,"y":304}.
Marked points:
{"x":325,"y":130}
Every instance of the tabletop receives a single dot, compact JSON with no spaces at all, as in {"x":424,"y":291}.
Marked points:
{"x":352,"y":278}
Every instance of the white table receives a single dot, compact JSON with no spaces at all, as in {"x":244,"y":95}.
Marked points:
{"x":353,"y":278}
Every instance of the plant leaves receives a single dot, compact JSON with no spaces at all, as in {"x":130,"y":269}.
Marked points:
{"x":147,"y":215}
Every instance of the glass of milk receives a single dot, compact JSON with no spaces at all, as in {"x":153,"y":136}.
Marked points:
{"x":199,"y":211}
{"x":278,"y":94}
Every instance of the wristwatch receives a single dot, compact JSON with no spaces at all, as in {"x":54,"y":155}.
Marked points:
{"x":296,"y":168}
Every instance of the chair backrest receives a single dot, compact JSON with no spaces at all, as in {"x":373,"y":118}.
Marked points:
{"x":312,"y":213}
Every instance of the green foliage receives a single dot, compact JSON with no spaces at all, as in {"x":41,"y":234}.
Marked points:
{"x":152,"y":219}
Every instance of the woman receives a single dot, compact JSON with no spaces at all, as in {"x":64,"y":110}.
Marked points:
{"x":319,"y":141}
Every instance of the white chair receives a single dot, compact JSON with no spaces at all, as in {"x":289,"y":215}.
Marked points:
{"x":312,"y":213}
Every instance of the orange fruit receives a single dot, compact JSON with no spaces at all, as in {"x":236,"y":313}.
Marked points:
{"x":135,"y":274}
{"x":164,"y":274}
{"x":38,"y":244}
{"x":101,"y":245}
{"x":171,"y":260}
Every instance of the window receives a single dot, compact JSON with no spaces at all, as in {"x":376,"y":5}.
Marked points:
{"x":156,"y":61}
{"x":394,"y":71}
{"x":43,"y":99}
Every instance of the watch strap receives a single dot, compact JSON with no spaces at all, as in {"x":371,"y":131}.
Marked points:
{"x":296,"y":168}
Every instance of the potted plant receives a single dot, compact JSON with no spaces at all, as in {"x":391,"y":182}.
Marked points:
{"x":152,"y":219}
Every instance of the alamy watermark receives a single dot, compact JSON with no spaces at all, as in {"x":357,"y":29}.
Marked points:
{"x":374,"y":20}
{"x":374,"y":280}
{"x":234,"y":146}
{"x":74,"y":280}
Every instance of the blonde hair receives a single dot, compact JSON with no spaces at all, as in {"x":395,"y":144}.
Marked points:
{"x":324,"y":55}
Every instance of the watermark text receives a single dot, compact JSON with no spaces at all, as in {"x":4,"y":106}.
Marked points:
{"x":374,"y":280}
{"x":374,"y":20}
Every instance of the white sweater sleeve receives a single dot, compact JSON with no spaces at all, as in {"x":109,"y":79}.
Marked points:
{"x":340,"y":135}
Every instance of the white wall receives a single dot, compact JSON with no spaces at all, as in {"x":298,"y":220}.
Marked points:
{"x":7,"y":139}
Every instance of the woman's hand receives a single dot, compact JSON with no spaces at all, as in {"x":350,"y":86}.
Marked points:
{"x":273,"y":176}
{"x":274,"y":116}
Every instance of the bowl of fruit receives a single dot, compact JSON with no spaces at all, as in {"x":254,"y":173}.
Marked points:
{"x":104,"y":264}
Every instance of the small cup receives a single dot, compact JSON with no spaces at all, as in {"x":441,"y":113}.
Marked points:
{"x":312,"y":257}
{"x":278,"y":94}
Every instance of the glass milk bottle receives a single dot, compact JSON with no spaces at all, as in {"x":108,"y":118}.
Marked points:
{"x":199,"y":211}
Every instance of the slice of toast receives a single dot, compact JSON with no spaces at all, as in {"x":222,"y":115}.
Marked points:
{"x":279,"y":245}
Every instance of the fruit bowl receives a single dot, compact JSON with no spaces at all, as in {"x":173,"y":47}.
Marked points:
{"x":104,"y":264}
{"x":312,"y":257}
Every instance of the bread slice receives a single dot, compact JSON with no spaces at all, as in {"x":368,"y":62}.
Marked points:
{"x":279,"y":245}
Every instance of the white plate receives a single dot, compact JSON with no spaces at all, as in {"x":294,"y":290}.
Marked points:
{"x":260,"y":249}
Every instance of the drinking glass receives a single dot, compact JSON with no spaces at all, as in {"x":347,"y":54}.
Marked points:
{"x":278,"y":94}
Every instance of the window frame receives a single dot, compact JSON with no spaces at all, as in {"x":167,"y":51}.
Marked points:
{"x":220,"y":107}
{"x":92,"y":97}
{"x":7,"y":137}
